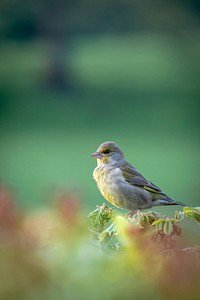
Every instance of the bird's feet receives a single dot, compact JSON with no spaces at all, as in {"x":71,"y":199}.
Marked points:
{"x":102,"y":206}
{"x":132,"y":213}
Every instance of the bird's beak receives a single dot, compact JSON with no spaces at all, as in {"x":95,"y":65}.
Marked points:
{"x":97,"y":154}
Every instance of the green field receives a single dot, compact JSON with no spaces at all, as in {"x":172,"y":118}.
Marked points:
{"x":140,"y":91}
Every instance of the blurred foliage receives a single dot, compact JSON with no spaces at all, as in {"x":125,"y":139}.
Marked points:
{"x":48,"y":254}
{"x":157,"y":228}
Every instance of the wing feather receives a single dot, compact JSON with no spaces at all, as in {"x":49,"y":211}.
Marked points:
{"x":133,"y":177}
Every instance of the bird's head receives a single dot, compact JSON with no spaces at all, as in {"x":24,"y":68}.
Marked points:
{"x":108,"y":153}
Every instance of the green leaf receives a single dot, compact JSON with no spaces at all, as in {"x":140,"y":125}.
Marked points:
{"x":107,"y":238}
{"x":158,"y":222}
{"x":164,"y":220}
{"x":99,"y":217}
{"x":192,"y":212}
{"x":167,"y":225}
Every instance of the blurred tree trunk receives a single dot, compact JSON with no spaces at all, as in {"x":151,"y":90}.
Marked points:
{"x":59,"y":72}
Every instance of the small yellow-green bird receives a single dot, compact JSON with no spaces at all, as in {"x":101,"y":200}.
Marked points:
{"x":122,"y":185}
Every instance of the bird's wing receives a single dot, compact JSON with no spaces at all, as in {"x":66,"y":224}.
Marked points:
{"x":133,"y":177}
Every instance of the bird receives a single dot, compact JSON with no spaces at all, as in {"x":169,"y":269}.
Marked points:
{"x":122,"y":184}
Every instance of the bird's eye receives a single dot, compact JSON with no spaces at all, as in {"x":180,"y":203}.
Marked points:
{"x":107,"y":151}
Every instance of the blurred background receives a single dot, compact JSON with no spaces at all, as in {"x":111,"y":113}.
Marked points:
{"x":74,"y":74}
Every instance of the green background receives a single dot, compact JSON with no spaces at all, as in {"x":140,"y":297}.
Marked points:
{"x":132,"y":77}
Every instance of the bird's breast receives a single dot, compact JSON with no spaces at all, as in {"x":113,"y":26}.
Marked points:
{"x":107,"y":181}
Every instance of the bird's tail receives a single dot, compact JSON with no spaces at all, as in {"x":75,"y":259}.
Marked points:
{"x":168,"y":201}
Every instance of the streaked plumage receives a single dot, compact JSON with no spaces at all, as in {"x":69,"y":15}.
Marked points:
{"x":122,"y":185}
